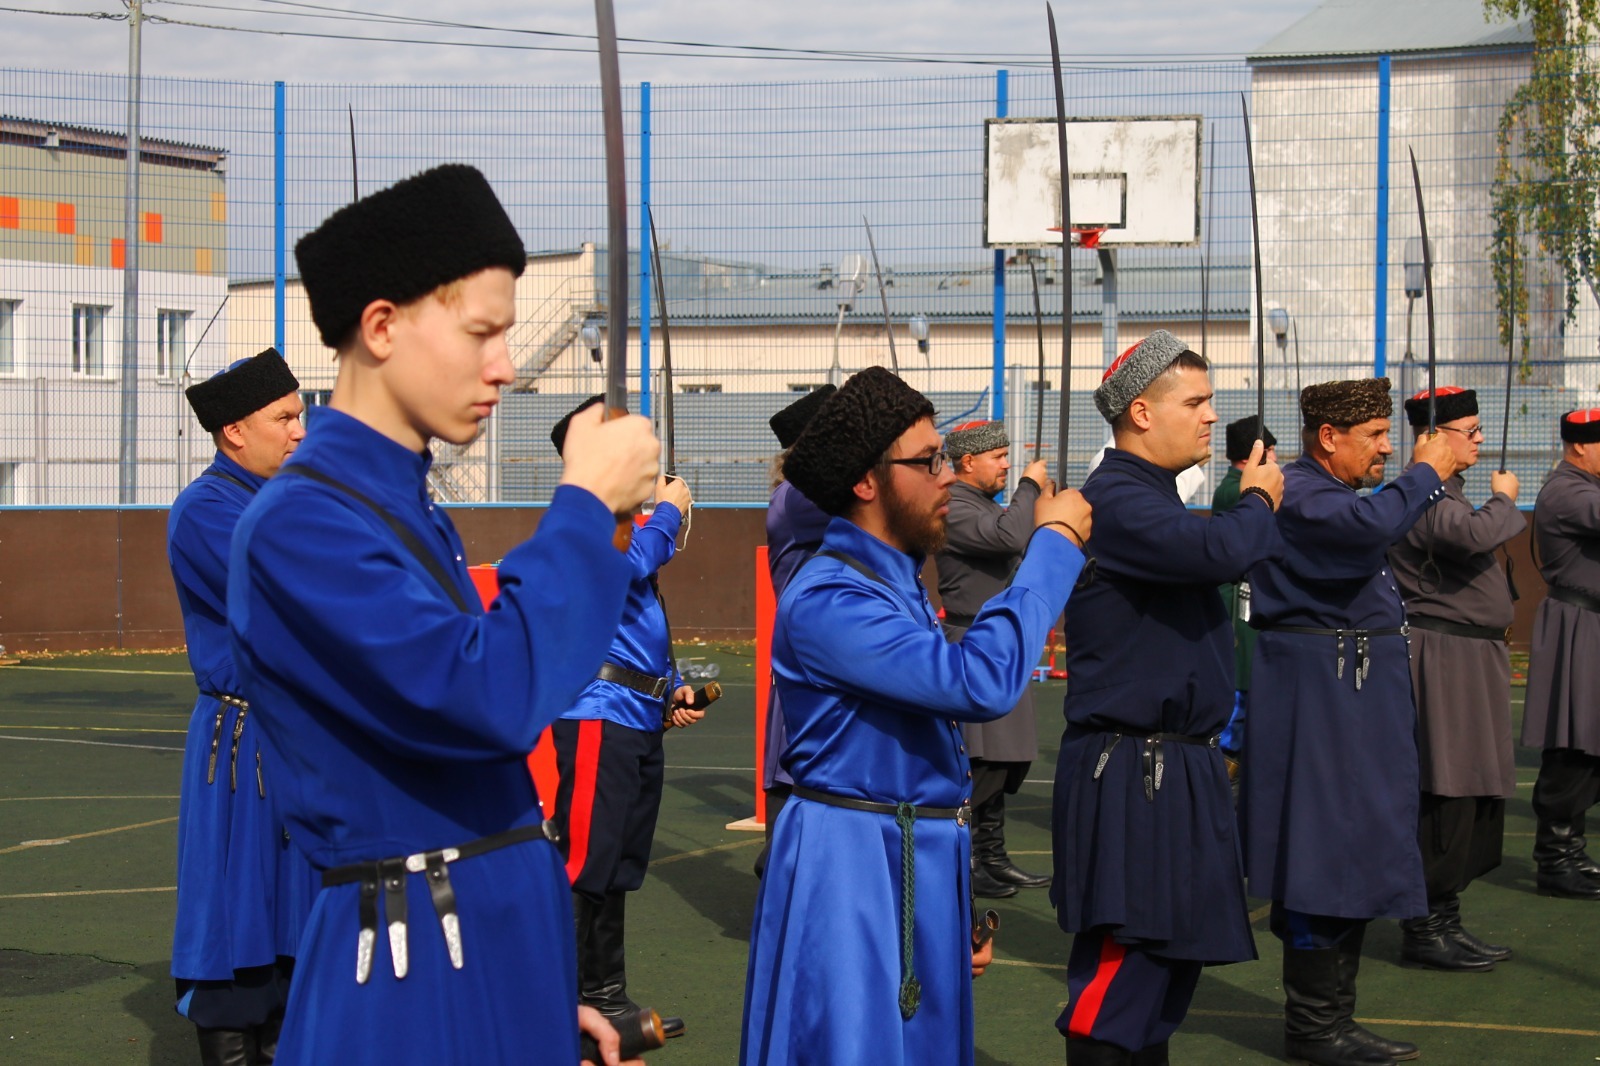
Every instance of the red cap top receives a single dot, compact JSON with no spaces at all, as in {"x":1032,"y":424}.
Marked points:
{"x":1116,"y":364}
{"x":969,"y":425}
{"x":1446,"y":390}
{"x":1583,"y":417}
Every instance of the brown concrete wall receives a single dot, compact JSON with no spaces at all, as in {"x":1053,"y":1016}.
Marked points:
{"x":74,"y":580}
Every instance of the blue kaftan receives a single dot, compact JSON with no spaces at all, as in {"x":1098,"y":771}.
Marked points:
{"x":795,"y":527}
{"x":243,"y":890}
{"x":873,"y":696}
{"x":402,"y":723}
{"x":1150,"y":649}
{"x":1329,"y":810}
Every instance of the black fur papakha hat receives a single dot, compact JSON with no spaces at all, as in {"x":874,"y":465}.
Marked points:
{"x":789,"y":423}
{"x":403,"y":242}
{"x":241,"y":390}
{"x":558,"y":432}
{"x":1450,"y":403}
{"x":1345,"y":403}
{"x":849,"y":434}
{"x":1242,"y":438}
{"x":975,"y":438}
{"x":1581,"y":427}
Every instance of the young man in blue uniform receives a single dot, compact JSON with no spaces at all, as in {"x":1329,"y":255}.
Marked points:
{"x":243,"y":890}
{"x":861,"y":950}
{"x":1331,"y":789}
{"x":610,"y":756}
{"x":1147,"y":868}
{"x":795,"y":527}
{"x":397,"y":712}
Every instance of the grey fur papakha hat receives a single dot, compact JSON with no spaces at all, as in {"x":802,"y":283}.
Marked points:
{"x":1345,"y":403}
{"x":975,"y":438}
{"x":849,"y":434}
{"x":1134,"y":370}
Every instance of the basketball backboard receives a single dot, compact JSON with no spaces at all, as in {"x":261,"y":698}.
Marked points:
{"x":1138,"y":177}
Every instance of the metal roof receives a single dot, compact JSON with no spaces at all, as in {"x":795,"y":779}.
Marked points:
{"x":1385,"y":27}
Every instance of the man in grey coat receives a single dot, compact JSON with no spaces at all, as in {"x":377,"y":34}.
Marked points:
{"x":1562,"y":714}
{"x":1458,"y":604}
{"x":984,"y":545}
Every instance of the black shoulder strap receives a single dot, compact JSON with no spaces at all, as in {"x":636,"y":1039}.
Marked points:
{"x":408,"y":538}
{"x":229,"y":477}
{"x":852,"y":562}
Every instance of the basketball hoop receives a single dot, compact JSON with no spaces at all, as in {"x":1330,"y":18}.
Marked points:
{"x":1084,"y":236}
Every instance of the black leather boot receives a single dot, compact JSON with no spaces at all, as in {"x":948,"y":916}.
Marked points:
{"x":986,"y":844}
{"x":1086,"y":1051}
{"x":1579,"y":850}
{"x":1559,"y":857}
{"x":223,"y":1047}
{"x":989,"y":826}
{"x":1450,"y":909}
{"x":602,"y":957}
{"x":1315,"y":1028}
{"x":265,"y":1037}
{"x":1425,"y":944}
{"x":1349,"y":950}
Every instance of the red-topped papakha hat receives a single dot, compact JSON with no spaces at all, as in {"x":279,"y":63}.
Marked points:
{"x":1450,"y":402}
{"x":1581,"y":427}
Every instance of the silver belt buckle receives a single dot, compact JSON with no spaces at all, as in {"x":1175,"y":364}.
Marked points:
{"x":660,"y":689}
{"x":964,"y":814}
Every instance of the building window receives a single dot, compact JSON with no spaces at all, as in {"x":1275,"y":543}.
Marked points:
{"x":701,"y":388}
{"x":8,"y":335}
{"x":8,"y":484}
{"x":803,"y":386}
{"x":171,"y":329}
{"x":89,"y":339}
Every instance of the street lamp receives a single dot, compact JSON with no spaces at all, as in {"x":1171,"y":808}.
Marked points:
{"x":918,"y":324}
{"x":591,"y":337}
{"x":1415,"y":282}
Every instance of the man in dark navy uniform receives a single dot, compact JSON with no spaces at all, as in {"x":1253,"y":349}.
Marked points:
{"x":1331,"y":784}
{"x":243,"y":891}
{"x":397,"y":712}
{"x":1147,"y":869}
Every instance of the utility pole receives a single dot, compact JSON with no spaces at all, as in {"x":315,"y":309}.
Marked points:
{"x":128,"y":435}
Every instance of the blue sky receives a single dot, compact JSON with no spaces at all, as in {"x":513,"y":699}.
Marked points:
{"x":1010,"y":30}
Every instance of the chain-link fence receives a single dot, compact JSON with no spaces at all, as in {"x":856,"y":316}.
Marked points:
{"x":761,"y":194}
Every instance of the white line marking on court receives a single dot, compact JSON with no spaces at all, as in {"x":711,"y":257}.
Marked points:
{"x":32,"y":799}
{"x":90,"y":892}
{"x":93,"y":833}
{"x":92,"y":728}
{"x":92,"y":670}
{"x":94,"y":743}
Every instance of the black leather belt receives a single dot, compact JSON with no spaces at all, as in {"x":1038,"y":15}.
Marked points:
{"x":1362,"y":637}
{"x":654,"y":687}
{"x":390,"y":874}
{"x":1155,"y":760}
{"x":1456,"y":629}
{"x":1574,"y":597}
{"x":961,"y":814}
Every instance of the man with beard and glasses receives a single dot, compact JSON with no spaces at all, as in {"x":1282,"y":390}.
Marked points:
{"x":984,"y":543}
{"x":1147,"y":872}
{"x":861,"y":950}
{"x":1331,"y":789}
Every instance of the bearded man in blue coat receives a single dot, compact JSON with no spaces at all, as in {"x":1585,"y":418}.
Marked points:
{"x":1331,"y":790}
{"x":400,"y":711}
{"x":243,"y":890}
{"x":862,"y":949}
{"x":1147,"y":867}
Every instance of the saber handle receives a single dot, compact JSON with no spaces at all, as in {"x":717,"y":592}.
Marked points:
{"x":640,"y":1032}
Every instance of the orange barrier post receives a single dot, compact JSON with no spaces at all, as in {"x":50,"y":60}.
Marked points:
{"x":542,"y":760}
{"x":766,"y":613}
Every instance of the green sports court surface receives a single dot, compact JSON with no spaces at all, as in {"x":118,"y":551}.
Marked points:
{"x":90,"y":748}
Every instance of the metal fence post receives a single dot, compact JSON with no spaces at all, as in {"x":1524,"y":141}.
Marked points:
{"x":1380,"y":281}
{"x":279,"y":196}
{"x":997,"y":382}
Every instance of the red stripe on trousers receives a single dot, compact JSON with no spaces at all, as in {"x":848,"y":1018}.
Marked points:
{"x":586,"y":767}
{"x":1087,"y":1010}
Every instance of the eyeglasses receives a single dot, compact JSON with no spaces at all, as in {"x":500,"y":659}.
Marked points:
{"x":932,"y":463}
{"x":1469,"y":432}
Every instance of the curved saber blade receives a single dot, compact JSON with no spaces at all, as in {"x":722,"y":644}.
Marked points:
{"x":355,"y":175}
{"x":1261,"y":318}
{"x":669,"y":431}
{"x":1205,"y":258}
{"x":1427,"y":288}
{"x":1064,"y":430}
{"x":883,"y":296}
{"x":616,"y":210}
{"x":1038,"y":333}
{"x":1511,"y":354}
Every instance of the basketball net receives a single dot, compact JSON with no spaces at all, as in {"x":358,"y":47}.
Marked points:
{"x":1084,"y":236}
